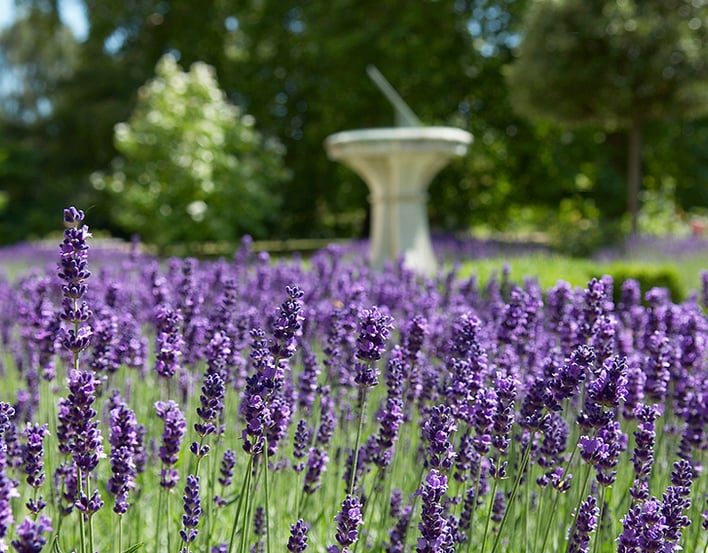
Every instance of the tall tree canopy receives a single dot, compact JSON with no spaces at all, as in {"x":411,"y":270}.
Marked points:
{"x":619,"y":64}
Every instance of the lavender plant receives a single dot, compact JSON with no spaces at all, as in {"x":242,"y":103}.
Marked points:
{"x":237,"y":396}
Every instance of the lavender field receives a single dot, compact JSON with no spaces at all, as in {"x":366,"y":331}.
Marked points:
{"x":252,"y":404}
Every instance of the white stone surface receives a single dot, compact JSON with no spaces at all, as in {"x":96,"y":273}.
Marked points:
{"x":398,"y":164}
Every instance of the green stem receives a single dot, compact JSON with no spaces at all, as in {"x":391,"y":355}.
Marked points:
{"x":577,"y":507}
{"x":168,"y":498}
{"x":160,"y":501}
{"x":550,"y":519}
{"x":355,"y":456}
{"x":90,"y":516}
{"x":242,"y":495}
{"x":489,"y":511}
{"x":81,"y":515}
{"x":598,"y":533}
{"x":120,"y":534}
{"x":477,"y":478}
{"x":515,"y":489}
{"x":267,"y":509}
{"x":557,"y":496}
{"x":247,"y":519}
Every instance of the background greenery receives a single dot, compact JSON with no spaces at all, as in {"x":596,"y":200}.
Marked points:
{"x":298,"y":69}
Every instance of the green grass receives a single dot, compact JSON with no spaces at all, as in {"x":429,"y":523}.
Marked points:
{"x":549,"y":269}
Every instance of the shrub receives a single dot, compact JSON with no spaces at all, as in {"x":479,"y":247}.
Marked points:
{"x":192,"y":167}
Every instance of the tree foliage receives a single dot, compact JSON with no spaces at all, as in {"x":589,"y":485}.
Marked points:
{"x":192,"y":167}
{"x":299,"y":68}
{"x":618,"y":64}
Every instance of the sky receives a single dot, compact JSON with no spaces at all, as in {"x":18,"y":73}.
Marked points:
{"x":72,"y":13}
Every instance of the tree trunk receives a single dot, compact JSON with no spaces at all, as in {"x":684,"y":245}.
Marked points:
{"x":634,"y":174}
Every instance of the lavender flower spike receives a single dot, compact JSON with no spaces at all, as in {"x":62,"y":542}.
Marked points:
{"x":348,"y":521}
{"x":298,"y":537}
{"x":73,"y":271}
{"x":192,"y":511}
{"x":175,"y":427}
{"x":436,"y":536}
{"x":30,"y":535}
{"x":374,"y":330}
{"x":585,"y":524}
{"x":33,"y":461}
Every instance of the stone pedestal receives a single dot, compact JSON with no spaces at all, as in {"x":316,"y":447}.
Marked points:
{"x":398,"y":164}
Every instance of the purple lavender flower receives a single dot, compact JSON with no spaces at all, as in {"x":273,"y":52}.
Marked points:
{"x":603,"y":451}
{"x":643,"y":455}
{"x":498,"y":507}
{"x":316,"y":464}
{"x":226,"y":474}
{"x":484,"y":407}
{"x":585,"y":524}
{"x":104,"y":359}
{"x":8,"y":490}
{"x":434,"y":527}
{"x":374,"y":329}
{"x":628,"y":540}
{"x":287,"y":324}
{"x":125,"y":443}
{"x":506,"y":388}
{"x":33,"y":454}
{"x":676,"y":501}
{"x":652,"y":527}
{"x":301,"y":441}
{"x":256,"y":413}
{"x":73,"y":267}
{"x":66,"y":485}
{"x":307,"y":382}
{"x":396,"y":503}
{"x":657,"y":366}
{"x":227,"y":468}
{"x":280,"y":418}
{"x":533,"y":405}
{"x":597,"y":301}
{"x":174,"y":430}
{"x":390,"y":419}
{"x":437,"y":429}
{"x":514,"y":318}
{"x":85,"y":440}
{"x":168,"y":341}
{"x":30,"y":535}
{"x":33,"y":461}
{"x":192,"y":511}
{"x":297,"y":543}
{"x":610,"y":385}
{"x":211,"y":404}
{"x":566,"y":382}
{"x":555,"y":440}
{"x":327,"y":419}
{"x":397,"y":534}
{"x":414,"y":335}
{"x":348,"y":520}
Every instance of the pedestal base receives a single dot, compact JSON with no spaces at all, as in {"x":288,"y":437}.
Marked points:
{"x":398,"y":164}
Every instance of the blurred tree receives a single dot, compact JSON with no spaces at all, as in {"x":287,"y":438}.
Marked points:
{"x":298,"y":68}
{"x":37,"y":51}
{"x":193,"y":168}
{"x":619,"y":64}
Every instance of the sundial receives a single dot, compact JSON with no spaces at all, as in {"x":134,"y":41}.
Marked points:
{"x":397,"y":164}
{"x":403,"y":113}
